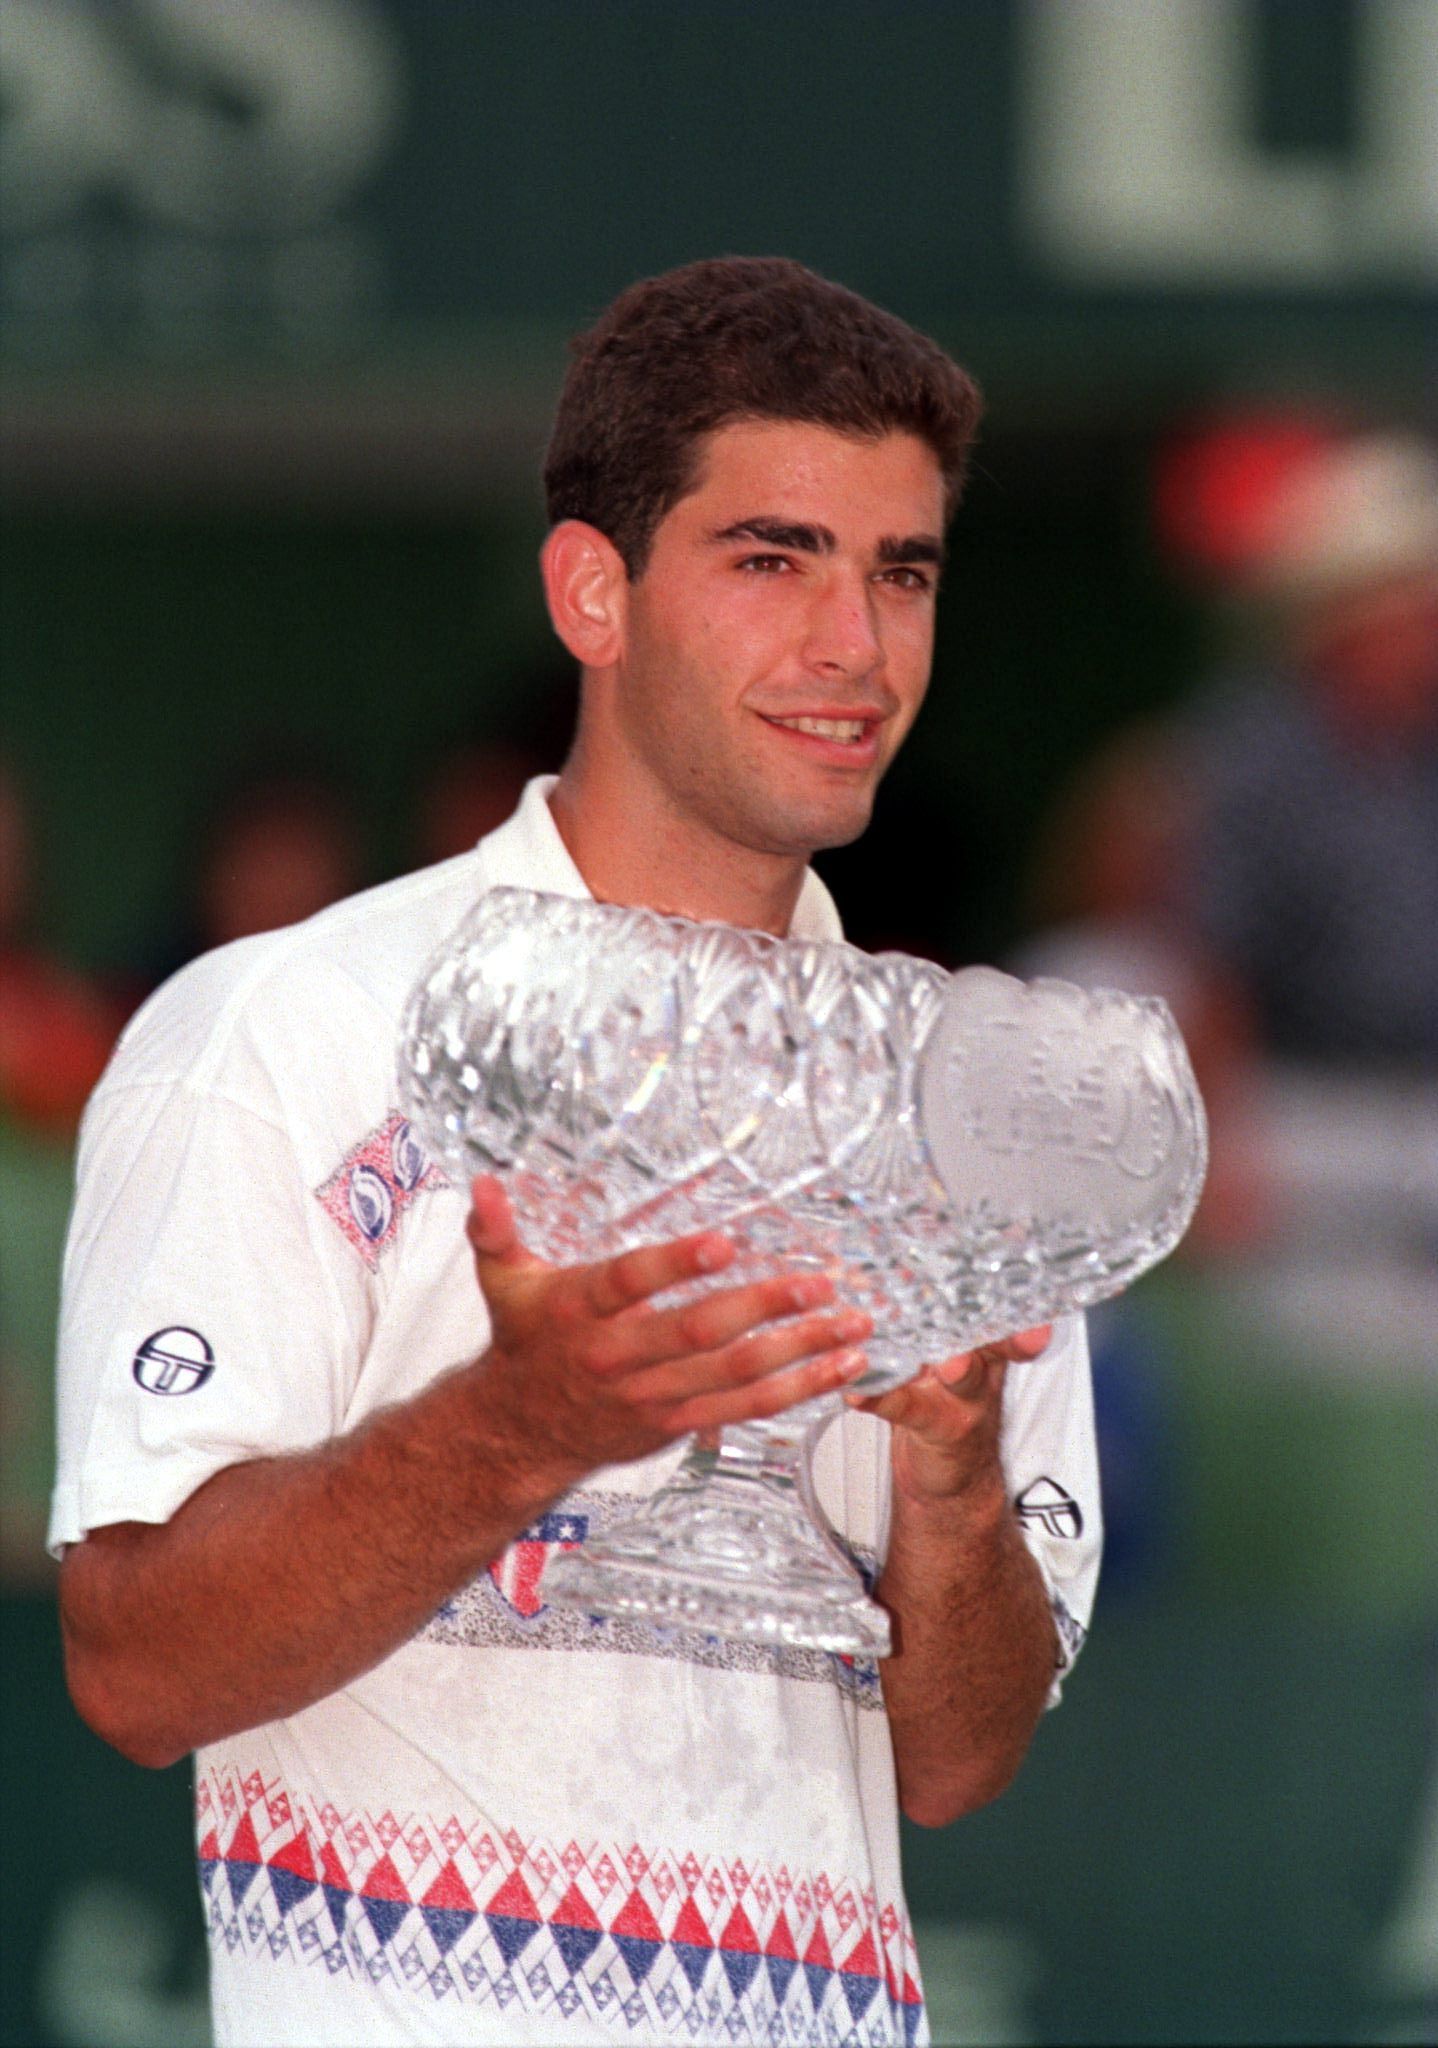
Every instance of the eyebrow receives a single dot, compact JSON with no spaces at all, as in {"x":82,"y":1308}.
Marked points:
{"x":807,"y":539}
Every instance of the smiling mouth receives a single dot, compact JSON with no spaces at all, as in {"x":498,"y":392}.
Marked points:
{"x":847,"y":731}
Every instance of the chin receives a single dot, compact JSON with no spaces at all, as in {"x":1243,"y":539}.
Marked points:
{"x":820,"y":827}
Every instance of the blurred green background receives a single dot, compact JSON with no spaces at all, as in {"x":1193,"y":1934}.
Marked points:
{"x":283,"y":307}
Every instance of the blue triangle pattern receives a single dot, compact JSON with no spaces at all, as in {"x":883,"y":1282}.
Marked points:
{"x":638,"y":1954}
{"x":781,"y":1974}
{"x":740,"y":1967}
{"x":207,"y":1871}
{"x":819,"y":1980}
{"x":912,"y":2015}
{"x":693,"y":1961}
{"x":512,"y":1935}
{"x":242,"y":1876}
{"x":337,"y":1900}
{"x":288,"y":1888}
{"x":447,"y":1924}
{"x":858,"y":1991}
{"x":384,"y":1915}
{"x":577,"y":1944}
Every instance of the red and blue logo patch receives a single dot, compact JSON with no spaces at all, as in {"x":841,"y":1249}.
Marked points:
{"x":374,"y":1184}
{"x":517,"y":1572}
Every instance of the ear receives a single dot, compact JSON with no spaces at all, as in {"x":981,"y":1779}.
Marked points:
{"x":586,"y":588}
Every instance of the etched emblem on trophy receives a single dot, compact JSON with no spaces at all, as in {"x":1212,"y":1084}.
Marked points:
{"x":965,"y":1155}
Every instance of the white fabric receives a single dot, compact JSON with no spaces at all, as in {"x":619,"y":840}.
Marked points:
{"x":630,"y":1838}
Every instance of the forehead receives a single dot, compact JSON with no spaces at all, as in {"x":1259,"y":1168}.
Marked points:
{"x":862,"y":486}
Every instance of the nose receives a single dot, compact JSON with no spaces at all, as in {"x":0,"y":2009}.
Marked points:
{"x":842,"y":629}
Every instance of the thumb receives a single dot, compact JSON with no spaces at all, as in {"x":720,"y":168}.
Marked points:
{"x":491,"y":1229}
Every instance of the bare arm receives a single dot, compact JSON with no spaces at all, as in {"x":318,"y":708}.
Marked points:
{"x":974,"y":1638}
{"x":282,"y":1579}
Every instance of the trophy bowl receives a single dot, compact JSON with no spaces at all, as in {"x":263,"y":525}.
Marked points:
{"x":965,"y":1155}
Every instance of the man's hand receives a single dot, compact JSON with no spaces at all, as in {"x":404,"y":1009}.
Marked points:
{"x":585,"y":1371}
{"x":324,"y":1561}
{"x":974,"y":1640}
{"x":947,"y":1418}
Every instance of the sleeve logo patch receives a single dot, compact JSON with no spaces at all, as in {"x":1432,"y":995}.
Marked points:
{"x":1055,"y":1511}
{"x":174,"y":1361}
{"x":373,"y":1186}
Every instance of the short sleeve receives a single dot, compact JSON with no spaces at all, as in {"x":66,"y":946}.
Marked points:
{"x":202,"y":1323}
{"x":1051,"y":1460}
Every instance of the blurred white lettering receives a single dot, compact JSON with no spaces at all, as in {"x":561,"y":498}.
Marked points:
{"x":172,"y":168}
{"x":1138,"y":168}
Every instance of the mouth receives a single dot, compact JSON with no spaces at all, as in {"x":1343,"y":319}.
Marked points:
{"x":842,"y":732}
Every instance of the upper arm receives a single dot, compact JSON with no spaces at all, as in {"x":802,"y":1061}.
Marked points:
{"x":1050,"y":1457}
{"x":200,"y":1326}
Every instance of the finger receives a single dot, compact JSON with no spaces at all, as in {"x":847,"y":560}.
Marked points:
{"x":717,"y":1319}
{"x":753,"y":1357}
{"x":491,"y":1227}
{"x":1027,"y":1344}
{"x":613,"y":1285}
{"x":828,"y":1374}
{"x":920,"y":1402}
{"x":966,"y":1371}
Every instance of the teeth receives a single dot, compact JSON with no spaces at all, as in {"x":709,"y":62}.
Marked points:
{"x":847,"y":729}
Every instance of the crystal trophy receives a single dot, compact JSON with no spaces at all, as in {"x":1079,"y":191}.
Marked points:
{"x":965,"y":1155}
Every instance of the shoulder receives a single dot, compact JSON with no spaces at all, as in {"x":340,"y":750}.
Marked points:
{"x":317,"y":995}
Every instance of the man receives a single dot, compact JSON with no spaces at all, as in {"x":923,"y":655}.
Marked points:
{"x":1312,"y":871}
{"x":309,"y":1471}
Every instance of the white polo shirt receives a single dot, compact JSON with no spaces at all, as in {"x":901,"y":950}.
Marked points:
{"x":523,"y":1826}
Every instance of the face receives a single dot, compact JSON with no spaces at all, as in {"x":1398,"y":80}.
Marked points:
{"x":776,"y":648}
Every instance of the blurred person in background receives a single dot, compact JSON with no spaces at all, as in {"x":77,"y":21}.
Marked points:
{"x":474,"y":781}
{"x":1312,"y":874}
{"x":1313,"y":871}
{"x":279,"y":842}
{"x":1104,"y":894}
{"x":56,"y":1026}
{"x":314,"y":1557}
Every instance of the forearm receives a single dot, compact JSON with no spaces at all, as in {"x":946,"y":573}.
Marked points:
{"x":282,"y":1579}
{"x":974,"y":1649}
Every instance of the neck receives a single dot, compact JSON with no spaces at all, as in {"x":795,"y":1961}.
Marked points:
{"x":639,"y":851}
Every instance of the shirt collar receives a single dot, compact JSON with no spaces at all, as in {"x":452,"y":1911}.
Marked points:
{"x":527,"y":853}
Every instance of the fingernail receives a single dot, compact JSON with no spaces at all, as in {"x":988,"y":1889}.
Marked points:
{"x":809,"y":1290}
{"x":852,"y":1324}
{"x":850,"y":1364}
{"x":711,"y":1253}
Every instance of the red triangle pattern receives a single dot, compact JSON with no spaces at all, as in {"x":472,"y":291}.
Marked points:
{"x":739,"y":1936}
{"x":817,"y":1951}
{"x":450,"y":1891}
{"x":574,"y":1910}
{"x":514,"y":1899}
{"x":384,"y":1882}
{"x":882,"y":1952}
{"x":244,"y":1845}
{"x":637,"y":1920}
{"x":690,"y":1928}
{"x":862,"y":1959}
{"x":781,"y":1942}
{"x":297,"y":1857}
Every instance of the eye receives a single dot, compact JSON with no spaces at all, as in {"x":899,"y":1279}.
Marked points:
{"x":765,"y":565}
{"x":904,"y":577}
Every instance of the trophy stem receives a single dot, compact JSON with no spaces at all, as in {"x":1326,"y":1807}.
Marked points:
{"x":735,"y":1546}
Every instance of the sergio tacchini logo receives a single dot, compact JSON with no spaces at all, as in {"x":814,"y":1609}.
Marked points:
{"x":174,"y":1361}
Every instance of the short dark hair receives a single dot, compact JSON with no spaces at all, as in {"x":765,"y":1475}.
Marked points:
{"x":736,"y":338}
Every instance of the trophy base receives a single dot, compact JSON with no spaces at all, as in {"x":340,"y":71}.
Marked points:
{"x":727,"y":1549}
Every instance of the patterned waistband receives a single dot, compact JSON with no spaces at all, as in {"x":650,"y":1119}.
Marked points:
{"x":630,"y":1939}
